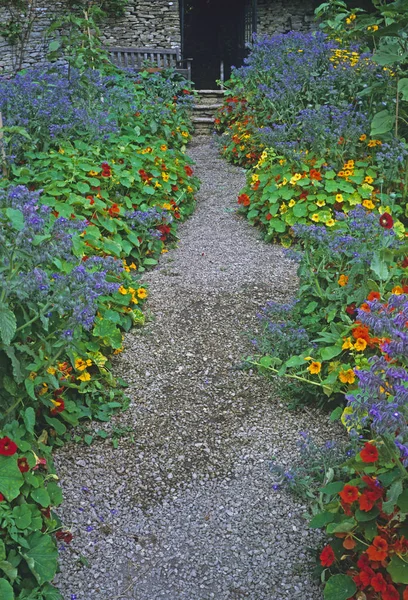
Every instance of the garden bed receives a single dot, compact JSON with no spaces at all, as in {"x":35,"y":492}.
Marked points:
{"x":314,"y":120}
{"x":95,"y":182}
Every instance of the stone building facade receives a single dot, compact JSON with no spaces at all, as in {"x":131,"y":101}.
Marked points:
{"x":146,"y":23}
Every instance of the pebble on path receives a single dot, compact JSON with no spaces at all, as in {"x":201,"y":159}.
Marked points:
{"x":185,"y":508}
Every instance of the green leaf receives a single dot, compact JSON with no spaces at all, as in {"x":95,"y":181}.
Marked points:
{"x":54,"y":46}
{"x":330,"y":352}
{"x":55,"y":493}
{"x":382,"y":123}
{"x":84,"y":188}
{"x":336,"y":413}
{"x":16,"y":218}
{"x":29,"y":419}
{"x":11,"y":478}
{"x":403,"y":88}
{"x":22,"y":516}
{"x":322,"y":519}
{"x":339,"y":587}
{"x":398,"y":569}
{"x":2,"y":550}
{"x":383,"y":58}
{"x":344,"y":527}
{"x":6,"y":591}
{"x":310,"y":308}
{"x":56,"y":424}
{"x":379,"y":267}
{"x":42,"y":557}
{"x":393,"y":495}
{"x":332,"y":488}
{"x":8,"y":324}
{"x":402,"y":501}
{"x":41,"y":496}
{"x":363,"y":516}
{"x":10,"y":570}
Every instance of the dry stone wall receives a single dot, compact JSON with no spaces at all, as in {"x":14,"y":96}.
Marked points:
{"x":281,"y":16}
{"x":146,"y":23}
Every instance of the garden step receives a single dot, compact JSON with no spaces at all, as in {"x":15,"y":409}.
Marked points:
{"x":203,"y":125}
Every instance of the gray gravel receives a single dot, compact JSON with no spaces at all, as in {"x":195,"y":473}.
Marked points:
{"x":185,"y":508}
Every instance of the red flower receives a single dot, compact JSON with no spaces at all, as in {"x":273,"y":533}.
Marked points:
{"x":386,"y":221}
{"x":391,"y":593}
{"x":373,"y":296}
{"x":303,"y":195}
{"x":244,"y":200}
{"x":378,"y":583}
{"x":268,"y":217}
{"x":404,"y":265}
{"x":314,"y":174}
{"x":144,"y":175}
{"x":349,"y":494}
{"x":369,"y":453}
{"x":46,"y":512}
{"x":256,"y":185}
{"x":405,"y":594}
{"x":351,"y":309}
{"x":189,"y":171}
{"x":366,"y":501}
{"x":7,"y":447}
{"x":59,"y":406}
{"x":2,"y":498}
{"x":64,"y":536}
{"x":378,"y":549}
{"x":327,"y":557}
{"x":365,"y":577}
{"x":23,"y":465}
{"x":106,"y":170}
{"x":114,"y":210}
{"x":361,"y":331}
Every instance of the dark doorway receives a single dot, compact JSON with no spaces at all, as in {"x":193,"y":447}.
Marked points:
{"x":215,"y":31}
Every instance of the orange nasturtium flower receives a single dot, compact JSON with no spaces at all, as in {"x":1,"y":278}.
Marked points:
{"x":347,"y":376}
{"x":360,"y":345}
{"x":342,"y":281}
{"x":315,"y":367}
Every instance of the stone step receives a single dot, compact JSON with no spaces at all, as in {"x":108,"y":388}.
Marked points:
{"x":203,"y":125}
{"x":210,"y":107}
{"x":207,"y":97}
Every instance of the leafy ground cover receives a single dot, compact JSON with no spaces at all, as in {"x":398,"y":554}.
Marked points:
{"x":319,"y":120}
{"x":95,"y":180}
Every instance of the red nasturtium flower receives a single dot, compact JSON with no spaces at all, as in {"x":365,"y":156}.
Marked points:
{"x":2,"y":498}
{"x":64,"y":536}
{"x":268,"y":217}
{"x":244,"y":200}
{"x":351,"y":309}
{"x":327,"y":557}
{"x":106,"y":170}
{"x":373,"y":296}
{"x":367,"y":500}
{"x":59,"y":406}
{"x":7,"y":447}
{"x":361,"y":331}
{"x":386,"y":221}
{"x":189,"y":171}
{"x":315,"y":174}
{"x":349,"y":494}
{"x":114,"y":210}
{"x":378,"y":583}
{"x":369,"y":453}
{"x":23,"y":465}
{"x":378,"y":550}
{"x":391,"y":593}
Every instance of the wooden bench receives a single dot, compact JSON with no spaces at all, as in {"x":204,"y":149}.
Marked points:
{"x":139,"y":59}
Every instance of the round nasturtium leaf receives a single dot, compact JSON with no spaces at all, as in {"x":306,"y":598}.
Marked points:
{"x":339,"y":587}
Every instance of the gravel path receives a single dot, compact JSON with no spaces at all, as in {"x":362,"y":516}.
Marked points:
{"x":185,"y":508}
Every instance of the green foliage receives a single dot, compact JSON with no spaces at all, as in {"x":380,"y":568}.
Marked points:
{"x":122,"y":196}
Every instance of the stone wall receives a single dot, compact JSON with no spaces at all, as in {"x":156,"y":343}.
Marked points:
{"x":146,"y":23}
{"x":281,"y":16}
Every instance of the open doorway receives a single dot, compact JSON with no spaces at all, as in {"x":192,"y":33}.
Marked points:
{"x":216,"y":31}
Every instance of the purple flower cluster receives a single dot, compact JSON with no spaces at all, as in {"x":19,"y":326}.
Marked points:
{"x":381,"y":399}
{"x":33,"y":246}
